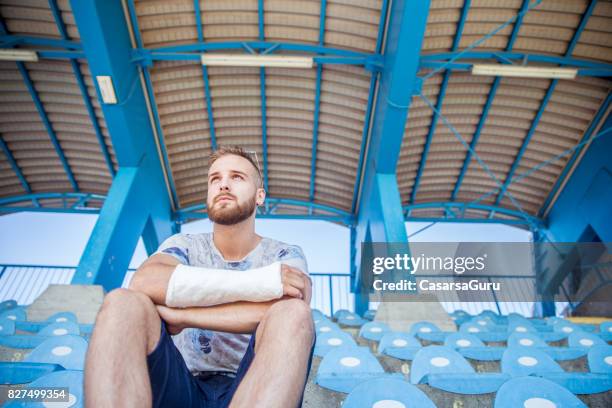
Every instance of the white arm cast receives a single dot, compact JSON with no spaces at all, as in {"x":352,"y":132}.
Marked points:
{"x":193,"y":286}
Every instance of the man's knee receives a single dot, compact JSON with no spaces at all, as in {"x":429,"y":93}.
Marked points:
{"x":126,"y":303}
{"x":295,"y":314}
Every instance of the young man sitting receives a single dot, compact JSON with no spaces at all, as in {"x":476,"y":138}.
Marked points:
{"x":236,"y":304}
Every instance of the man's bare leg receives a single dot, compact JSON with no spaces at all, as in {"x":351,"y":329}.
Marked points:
{"x":127,"y":329}
{"x":277,"y":374}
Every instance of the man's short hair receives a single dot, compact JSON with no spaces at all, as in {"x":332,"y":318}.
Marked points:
{"x":251,"y":156}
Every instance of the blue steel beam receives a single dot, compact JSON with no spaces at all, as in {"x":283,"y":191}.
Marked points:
{"x":462,"y":207}
{"x":51,"y":196}
{"x":380,"y":217}
{"x":466,"y":60}
{"x":315,"y":132}
{"x":264,"y":127}
{"x":14,"y":165}
{"x":439,"y":103}
{"x":570,"y":49}
{"x":53,"y":210}
{"x":151,"y":96}
{"x":209,"y":111}
{"x":183,"y":217}
{"x":116,"y":233}
{"x":262,"y":46}
{"x":280,"y":201}
{"x":9,"y":41}
{"x":488,"y":103}
{"x":317,"y":106}
{"x":81,"y":83}
{"x":370,"y":104}
{"x":262,"y":90}
{"x":599,"y":116}
{"x":138,"y":192}
{"x":47,"y":123}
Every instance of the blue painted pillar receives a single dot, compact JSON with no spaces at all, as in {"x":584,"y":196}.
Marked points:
{"x":138,"y":202}
{"x":380,"y":217}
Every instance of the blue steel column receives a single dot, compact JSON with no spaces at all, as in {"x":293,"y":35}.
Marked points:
{"x":137,"y":201}
{"x":380,"y":207}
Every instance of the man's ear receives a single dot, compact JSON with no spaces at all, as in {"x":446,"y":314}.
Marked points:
{"x":261,"y":196}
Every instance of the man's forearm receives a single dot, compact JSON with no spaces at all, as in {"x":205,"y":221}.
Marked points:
{"x":238,"y":317}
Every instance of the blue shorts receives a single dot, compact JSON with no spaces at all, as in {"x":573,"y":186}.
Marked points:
{"x":173,"y":385}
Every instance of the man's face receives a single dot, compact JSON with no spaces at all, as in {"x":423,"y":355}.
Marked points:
{"x":232,"y":190}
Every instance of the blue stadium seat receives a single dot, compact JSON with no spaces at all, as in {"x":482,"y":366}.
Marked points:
{"x":330,"y":340}
{"x":7,"y":327}
{"x":67,"y":351}
{"x":340,"y":313}
{"x":533,"y":392}
{"x":534,"y":340}
{"x":399,"y":345}
{"x":529,"y":339}
{"x":524,"y":361}
{"x":552,"y":335}
{"x":472,"y":347}
{"x":73,"y":380}
{"x":387,"y":392}
{"x":605,"y":331}
{"x":486,"y":323}
{"x":566,"y":327}
{"x":326,"y":326}
{"x":86,"y":329}
{"x":554,"y":319}
{"x":460,"y":316}
{"x":584,"y":340}
{"x":7,"y":305}
{"x":520,"y":326}
{"x":490,"y":314}
{"x":351,"y":320}
{"x":344,"y":368}
{"x":316,"y":313}
{"x":428,"y":331}
{"x":369,"y":314}
{"x":373,"y":331}
{"x":17,"y":313}
{"x":61,"y":317}
{"x":23,"y":373}
{"x":34,"y":340}
{"x":600,"y":359}
{"x":60,"y":329}
{"x":482,"y":332}
{"x":444,"y":368}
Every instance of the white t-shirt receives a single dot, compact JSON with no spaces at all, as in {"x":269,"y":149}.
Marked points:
{"x":207,"y":350}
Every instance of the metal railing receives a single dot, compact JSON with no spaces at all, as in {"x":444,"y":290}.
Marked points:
{"x":331,"y":291}
{"x":24,"y":283}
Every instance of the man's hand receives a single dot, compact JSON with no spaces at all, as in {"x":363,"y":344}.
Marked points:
{"x":296,"y":283}
{"x":172,"y":318}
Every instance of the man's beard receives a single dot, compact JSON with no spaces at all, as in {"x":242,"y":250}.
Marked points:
{"x":234,"y":215}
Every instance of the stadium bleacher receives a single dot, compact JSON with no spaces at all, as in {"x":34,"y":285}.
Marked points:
{"x":364,"y":363}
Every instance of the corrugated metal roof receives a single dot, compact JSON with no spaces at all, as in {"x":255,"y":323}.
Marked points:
{"x":554,"y":116}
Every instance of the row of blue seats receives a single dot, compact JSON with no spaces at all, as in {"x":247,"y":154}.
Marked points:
{"x":554,"y":329}
{"x":32,"y":333}
{"x":57,"y":358}
{"x":442,"y":367}
{"x":404,"y":346}
{"x":528,"y":392}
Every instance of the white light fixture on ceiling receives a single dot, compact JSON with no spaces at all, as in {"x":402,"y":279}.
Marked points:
{"x":107,"y":91}
{"x":524,"y":72}
{"x":280,"y":61}
{"x":18,"y":55}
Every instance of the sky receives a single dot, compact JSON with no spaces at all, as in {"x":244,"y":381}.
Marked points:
{"x":59,"y":239}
